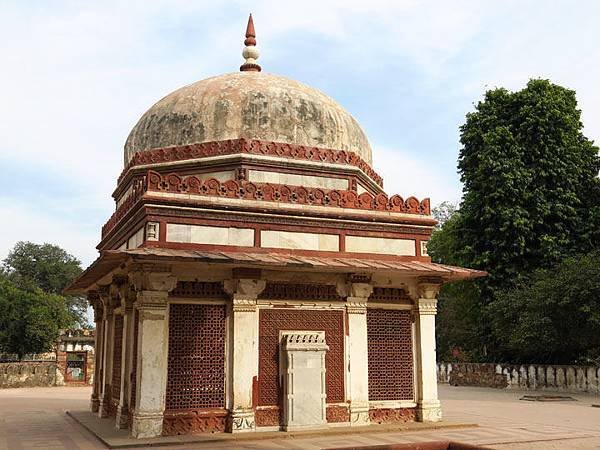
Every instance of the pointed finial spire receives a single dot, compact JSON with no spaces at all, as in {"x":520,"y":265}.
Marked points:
{"x":250,"y":52}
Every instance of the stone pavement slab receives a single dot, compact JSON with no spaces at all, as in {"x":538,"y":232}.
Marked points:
{"x":105,"y":431}
{"x":34,"y":418}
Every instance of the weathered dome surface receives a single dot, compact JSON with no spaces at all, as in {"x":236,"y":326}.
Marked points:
{"x":252,"y":105}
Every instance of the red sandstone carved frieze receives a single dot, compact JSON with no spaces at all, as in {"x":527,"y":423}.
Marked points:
{"x":254,"y":147}
{"x":281,"y":193}
{"x":336,"y":414}
{"x":392,"y":415}
{"x":175,"y":183}
{"x":192,"y":422}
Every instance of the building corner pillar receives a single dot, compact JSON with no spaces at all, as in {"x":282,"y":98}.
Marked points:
{"x":244,"y":352}
{"x":152,"y":286}
{"x":96,"y":304}
{"x":357,"y":295}
{"x":127,"y":300}
{"x":108,"y":305}
{"x":428,"y":405}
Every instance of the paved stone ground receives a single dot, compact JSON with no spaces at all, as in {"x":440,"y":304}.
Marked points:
{"x":34,"y":419}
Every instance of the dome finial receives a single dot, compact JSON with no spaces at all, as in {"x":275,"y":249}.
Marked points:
{"x":250,"y":52}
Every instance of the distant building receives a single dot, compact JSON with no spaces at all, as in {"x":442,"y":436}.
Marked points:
{"x":255,"y":276}
{"x":75,"y":355}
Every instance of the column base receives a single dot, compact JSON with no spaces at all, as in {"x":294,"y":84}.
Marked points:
{"x":429,"y":411}
{"x":94,"y":404}
{"x":122,"y":420}
{"x":104,"y":407}
{"x":359,"y":415}
{"x":241,"y":420}
{"x":147,"y":425}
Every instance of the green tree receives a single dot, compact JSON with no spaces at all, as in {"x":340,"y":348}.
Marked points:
{"x":30,"y":320}
{"x":48,"y":268}
{"x":531,"y":187}
{"x":443,"y":212}
{"x":554,"y":317}
{"x":531,"y":198}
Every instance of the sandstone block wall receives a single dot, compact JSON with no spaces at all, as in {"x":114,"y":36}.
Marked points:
{"x":584,"y":379}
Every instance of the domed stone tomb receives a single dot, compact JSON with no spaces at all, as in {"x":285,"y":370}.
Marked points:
{"x":254,"y":275}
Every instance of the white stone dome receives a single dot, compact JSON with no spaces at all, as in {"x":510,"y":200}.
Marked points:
{"x":251,"y":105}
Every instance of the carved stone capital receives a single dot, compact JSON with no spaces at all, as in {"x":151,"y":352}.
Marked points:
{"x":147,"y":300}
{"x":152,"y":278}
{"x":128,"y":297}
{"x":356,"y":308}
{"x":107,"y":300}
{"x":243,"y":305}
{"x":429,"y":287}
{"x":426,"y":306}
{"x":244,"y":288}
{"x":355,"y":290}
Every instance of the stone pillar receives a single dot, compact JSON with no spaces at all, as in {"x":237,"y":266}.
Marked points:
{"x":127,"y":300}
{"x":96,"y":304}
{"x":428,"y":405}
{"x":244,"y":351}
{"x":358,"y":377}
{"x":152,"y":285}
{"x":107,"y":351}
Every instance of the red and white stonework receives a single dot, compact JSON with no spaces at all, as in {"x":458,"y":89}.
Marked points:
{"x":252,"y":239}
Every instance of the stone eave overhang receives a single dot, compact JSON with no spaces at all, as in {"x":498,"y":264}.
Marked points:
{"x":110,"y":260}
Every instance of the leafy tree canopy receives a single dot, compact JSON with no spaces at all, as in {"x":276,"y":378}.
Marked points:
{"x":531,"y":199}
{"x":554,"y":316}
{"x":531,"y":187}
{"x":30,"y":320}
{"x":48,"y":268}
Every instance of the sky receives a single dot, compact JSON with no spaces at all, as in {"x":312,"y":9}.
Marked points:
{"x":76,"y":76}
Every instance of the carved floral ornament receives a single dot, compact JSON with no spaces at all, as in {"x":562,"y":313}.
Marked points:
{"x":254,"y":147}
{"x":281,"y":193}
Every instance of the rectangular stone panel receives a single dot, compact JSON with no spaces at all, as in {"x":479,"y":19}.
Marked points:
{"x":136,"y":239}
{"x":299,"y":241}
{"x":199,"y":234}
{"x":259,"y":176}
{"x":384,"y":246}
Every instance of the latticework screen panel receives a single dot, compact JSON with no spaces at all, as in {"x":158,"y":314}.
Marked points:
{"x":196,"y":364}
{"x":117,"y":352}
{"x":274,"y":320}
{"x":390,"y":354}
